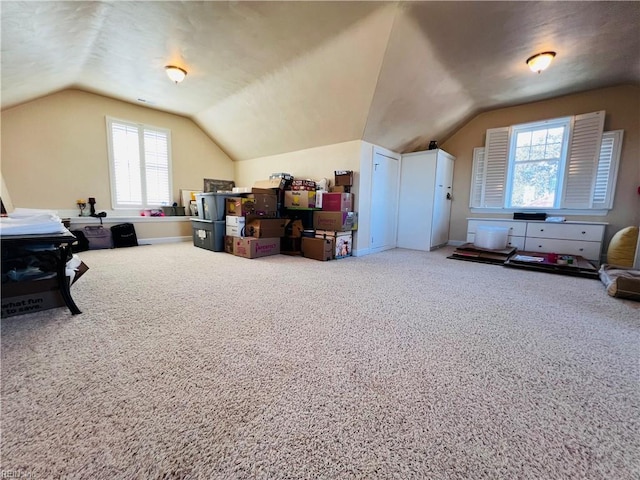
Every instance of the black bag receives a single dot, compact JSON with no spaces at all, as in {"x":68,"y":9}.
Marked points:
{"x":98,"y":237}
{"x":124,"y":235}
{"x":82,"y":242}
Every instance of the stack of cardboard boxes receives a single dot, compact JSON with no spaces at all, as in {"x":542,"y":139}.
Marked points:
{"x":260,"y":223}
{"x":252,"y":227}
{"x":334,"y":224}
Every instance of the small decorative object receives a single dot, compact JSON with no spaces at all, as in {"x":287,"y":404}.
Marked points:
{"x":92,"y":206}
{"x":433,"y":144}
{"x":81,"y":205}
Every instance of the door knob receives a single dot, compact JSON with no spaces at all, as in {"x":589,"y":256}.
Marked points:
{"x":448,"y":196}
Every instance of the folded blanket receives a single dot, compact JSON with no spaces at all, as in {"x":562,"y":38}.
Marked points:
{"x":28,"y":221}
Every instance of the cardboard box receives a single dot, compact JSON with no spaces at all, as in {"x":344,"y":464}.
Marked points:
{"x":343,"y":177}
{"x":342,"y":242}
{"x":337,"y":202}
{"x":239,"y":206}
{"x":252,"y":247}
{"x":34,"y":296}
{"x":271,"y":183}
{"x":339,"y":189}
{"x":252,"y":204}
{"x":265,"y":227}
{"x":233,"y":221}
{"x":318,"y":248}
{"x":299,"y":199}
{"x":335,"y":221}
{"x":265,"y":205}
{"x":234,"y":226}
{"x":228,"y":244}
{"x":265,"y":191}
{"x":293,"y":228}
{"x":309,"y":185}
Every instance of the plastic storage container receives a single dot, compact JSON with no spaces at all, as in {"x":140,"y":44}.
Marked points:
{"x":493,"y":238}
{"x":211,"y":206}
{"x":209,"y":234}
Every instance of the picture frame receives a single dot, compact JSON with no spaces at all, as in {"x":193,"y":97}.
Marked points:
{"x":187,"y":196}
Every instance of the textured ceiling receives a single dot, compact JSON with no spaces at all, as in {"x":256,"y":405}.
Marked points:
{"x":274,"y":77}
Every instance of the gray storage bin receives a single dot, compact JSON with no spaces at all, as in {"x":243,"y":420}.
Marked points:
{"x":211,"y":206}
{"x":209,"y":234}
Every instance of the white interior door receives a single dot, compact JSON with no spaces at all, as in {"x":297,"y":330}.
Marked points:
{"x":417,"y":180}
{"x":442,"y":201}
{"x":384,"y":201}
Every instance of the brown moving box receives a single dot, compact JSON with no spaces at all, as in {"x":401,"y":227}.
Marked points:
{"x":252,"y":247}
{"x":34,"y":296}
{"x":344,"y":177}
{"x":299,"y":199}
{"x":265,"y":227}
{"x":228,"y":243}
{"x":336,"y":221}
{"x":252,"y":204}
{"x":317,"y":248}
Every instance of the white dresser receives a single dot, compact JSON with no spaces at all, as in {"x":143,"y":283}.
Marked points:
{"x":571,"y":238}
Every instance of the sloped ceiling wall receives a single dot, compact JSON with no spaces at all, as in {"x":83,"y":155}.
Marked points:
{"x":274,"y":77}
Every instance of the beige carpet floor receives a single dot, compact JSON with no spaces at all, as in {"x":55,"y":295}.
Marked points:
{"x":401,"y":365}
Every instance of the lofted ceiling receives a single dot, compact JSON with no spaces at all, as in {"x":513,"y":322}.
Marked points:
{"x":275,"y":77}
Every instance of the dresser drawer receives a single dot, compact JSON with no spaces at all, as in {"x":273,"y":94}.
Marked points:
{"x":515,"y":228}
{"x":588,"y":250}
{"x":566,"y":231}
{"x":512,"y":241}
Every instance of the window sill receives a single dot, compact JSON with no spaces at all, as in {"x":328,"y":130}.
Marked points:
{"x":550,"y":212}
{"x":113,"y":218}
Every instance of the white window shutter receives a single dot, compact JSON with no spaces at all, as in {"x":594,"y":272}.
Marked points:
{"x":126,"y":164}
{"x":496,"y":159}
{"x":607,"y":170}
{"x":477,"y":178}
{"x":582,"y":160}
{"x":156,"y":151}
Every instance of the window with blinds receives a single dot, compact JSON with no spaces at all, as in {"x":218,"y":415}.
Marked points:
{"x":140,"y":164}
{"x":565,"y":163}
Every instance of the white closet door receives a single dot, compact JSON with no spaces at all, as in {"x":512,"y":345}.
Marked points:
{"x":417,"y":179}
{"x":442,"y":200}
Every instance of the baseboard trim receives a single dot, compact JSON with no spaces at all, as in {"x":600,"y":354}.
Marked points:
{"x":158,"y":240}
{"x":455,"y":243}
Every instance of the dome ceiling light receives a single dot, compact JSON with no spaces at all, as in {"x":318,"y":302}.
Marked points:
{"x":540,"y":61}
{"x":176,"y":74}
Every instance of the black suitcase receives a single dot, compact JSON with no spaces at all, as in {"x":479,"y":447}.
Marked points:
{"x":124,"y":235}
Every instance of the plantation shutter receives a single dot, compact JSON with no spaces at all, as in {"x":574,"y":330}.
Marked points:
{"x":496,"y":159}
{"x":477,"y":178}
{"x":582,"y":160}
{"x":607,"y":169}
{"x":156,"y":151}
{"x":126,"y":164}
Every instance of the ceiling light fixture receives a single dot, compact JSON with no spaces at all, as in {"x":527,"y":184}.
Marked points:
{"x":540,"y":61}
{"x":176,"y":74}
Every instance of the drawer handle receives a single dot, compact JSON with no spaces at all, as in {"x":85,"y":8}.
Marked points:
{"x":581,"y":249}
{"x":542,"y":229}
{"x":584,"y":233}
{"x":539,"y":246}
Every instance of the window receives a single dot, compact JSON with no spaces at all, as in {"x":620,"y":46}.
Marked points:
{"x":559,"y":164}
{"x":140,"y":165}
{"x":536,"y":155}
